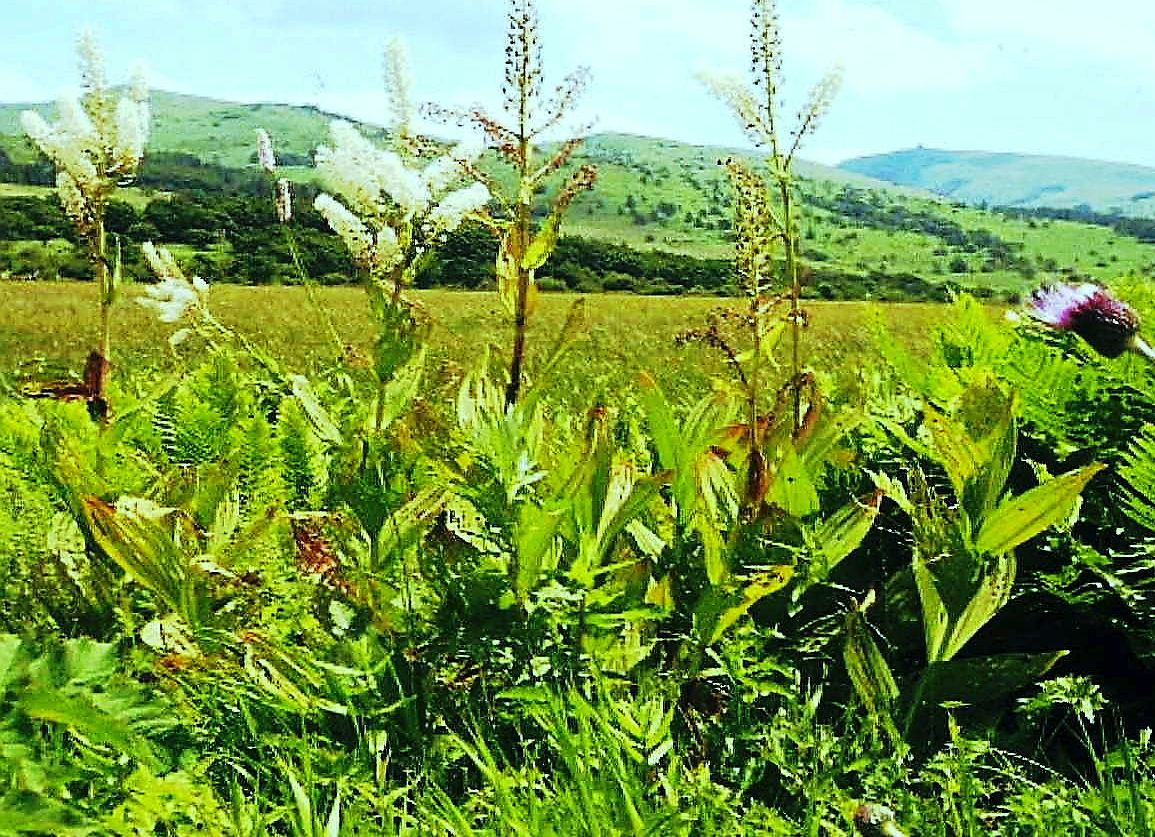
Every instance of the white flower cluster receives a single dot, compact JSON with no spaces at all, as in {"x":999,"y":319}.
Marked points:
{"x":133,"y":121}
{"x":382,"y":195}
{"x":174,"y":296}
{"x":454,"y":207}
{"x":368,"y":177}
{"x":284,"y":200}
{"x":268,"y":162}
{"x":94,"y":143}
{"x":397,"y":84}
{"x":377,"y":250}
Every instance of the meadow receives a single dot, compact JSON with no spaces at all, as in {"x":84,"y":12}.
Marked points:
{"x":49,"y":327}
{"x":369,"y":560}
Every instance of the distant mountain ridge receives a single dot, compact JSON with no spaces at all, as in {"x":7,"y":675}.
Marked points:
{"x":1017,"y":180}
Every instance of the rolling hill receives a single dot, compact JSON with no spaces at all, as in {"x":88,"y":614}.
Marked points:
{"x":1017,"y":180}
{"x":655,"y":194}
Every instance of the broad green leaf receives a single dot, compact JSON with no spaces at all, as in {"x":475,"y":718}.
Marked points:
{"x":398,"y":395}
{"x":760,"y":586}
{"x":936,"y":621}
{"x":333,"y":823}
{"x":304,"y":805}
{"x":713,"y":549}
{"x":660,"y":594}
{"x":408,"y":524}
{"x":843,"y":532}
{"x":893,"y":489}
{"x":506,"y":268}
{"x":543,"y":242}
{"x":620,"y":650}
{"x":145,"y":549}
{"x":537,"y":695}
{"x":645,"y":539}
{"x":318,"y":416}
{"x":619,"y":514}
{"x":792,"y":489}
{"x":994,"y":591}
{"x":536,"y":531}
{"x":977,"y":680}
{"x":826,"y":436}
{"x":1018,"y":519}
{"x":954,"y":449}
{"x":89,"y":661}
{"x":79,"y":712}
{"x":998,"y":448}
{"x":664,"y":429}
{"x":12,"y":660}
{"x":869,"y":672}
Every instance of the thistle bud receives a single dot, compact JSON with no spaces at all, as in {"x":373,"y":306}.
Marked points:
{"x":1107,"y":324}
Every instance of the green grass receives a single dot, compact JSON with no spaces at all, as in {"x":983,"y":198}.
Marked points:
{"x":139,"y":198}
{"x":54,"y":325}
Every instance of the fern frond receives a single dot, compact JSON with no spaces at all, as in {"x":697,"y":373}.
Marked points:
{"x":1137,"y":479}
{"x":304,"y":473}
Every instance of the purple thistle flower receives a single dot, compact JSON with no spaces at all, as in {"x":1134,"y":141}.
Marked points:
{"x":1109,"y":325}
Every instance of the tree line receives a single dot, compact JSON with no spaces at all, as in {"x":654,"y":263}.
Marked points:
{"x":226,"y":217}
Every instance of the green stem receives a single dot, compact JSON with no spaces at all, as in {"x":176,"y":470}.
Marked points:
{"x":379,"y":413}
{"x":795,"y":281}
{"x":757,"y":461}
{"x":98,"y":396}
{"x":520,"y":242}
{"x":1141,"y":347}
{"x":311,"y":288}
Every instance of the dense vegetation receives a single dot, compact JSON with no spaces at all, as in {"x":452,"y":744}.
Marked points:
{"x":544,"y":592}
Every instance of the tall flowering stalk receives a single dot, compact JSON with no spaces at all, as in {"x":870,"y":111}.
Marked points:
{"x":758,"y":108}
{"x":754,"y":222}
{"x":527,"y":116}
{"x":282,"y":195}
{"x":96,"y":144}
{"x":391,"y":205}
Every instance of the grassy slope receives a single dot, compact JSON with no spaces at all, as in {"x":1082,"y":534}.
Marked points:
{"x":1017,"y":179}
{"x":687,"y":189}
{"x":137,"y":197}
{"x":688,"y":178}
{"x":216,"y":131}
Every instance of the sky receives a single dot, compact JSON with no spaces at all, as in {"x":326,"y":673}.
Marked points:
{"x":1063,"y":77}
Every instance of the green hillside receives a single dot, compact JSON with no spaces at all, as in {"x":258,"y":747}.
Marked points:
{"x":655,"y":194}
{"x":217,"y":131}
{"x":1017,"y":180}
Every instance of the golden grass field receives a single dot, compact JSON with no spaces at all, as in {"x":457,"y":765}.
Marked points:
{"x":48,"y":328}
